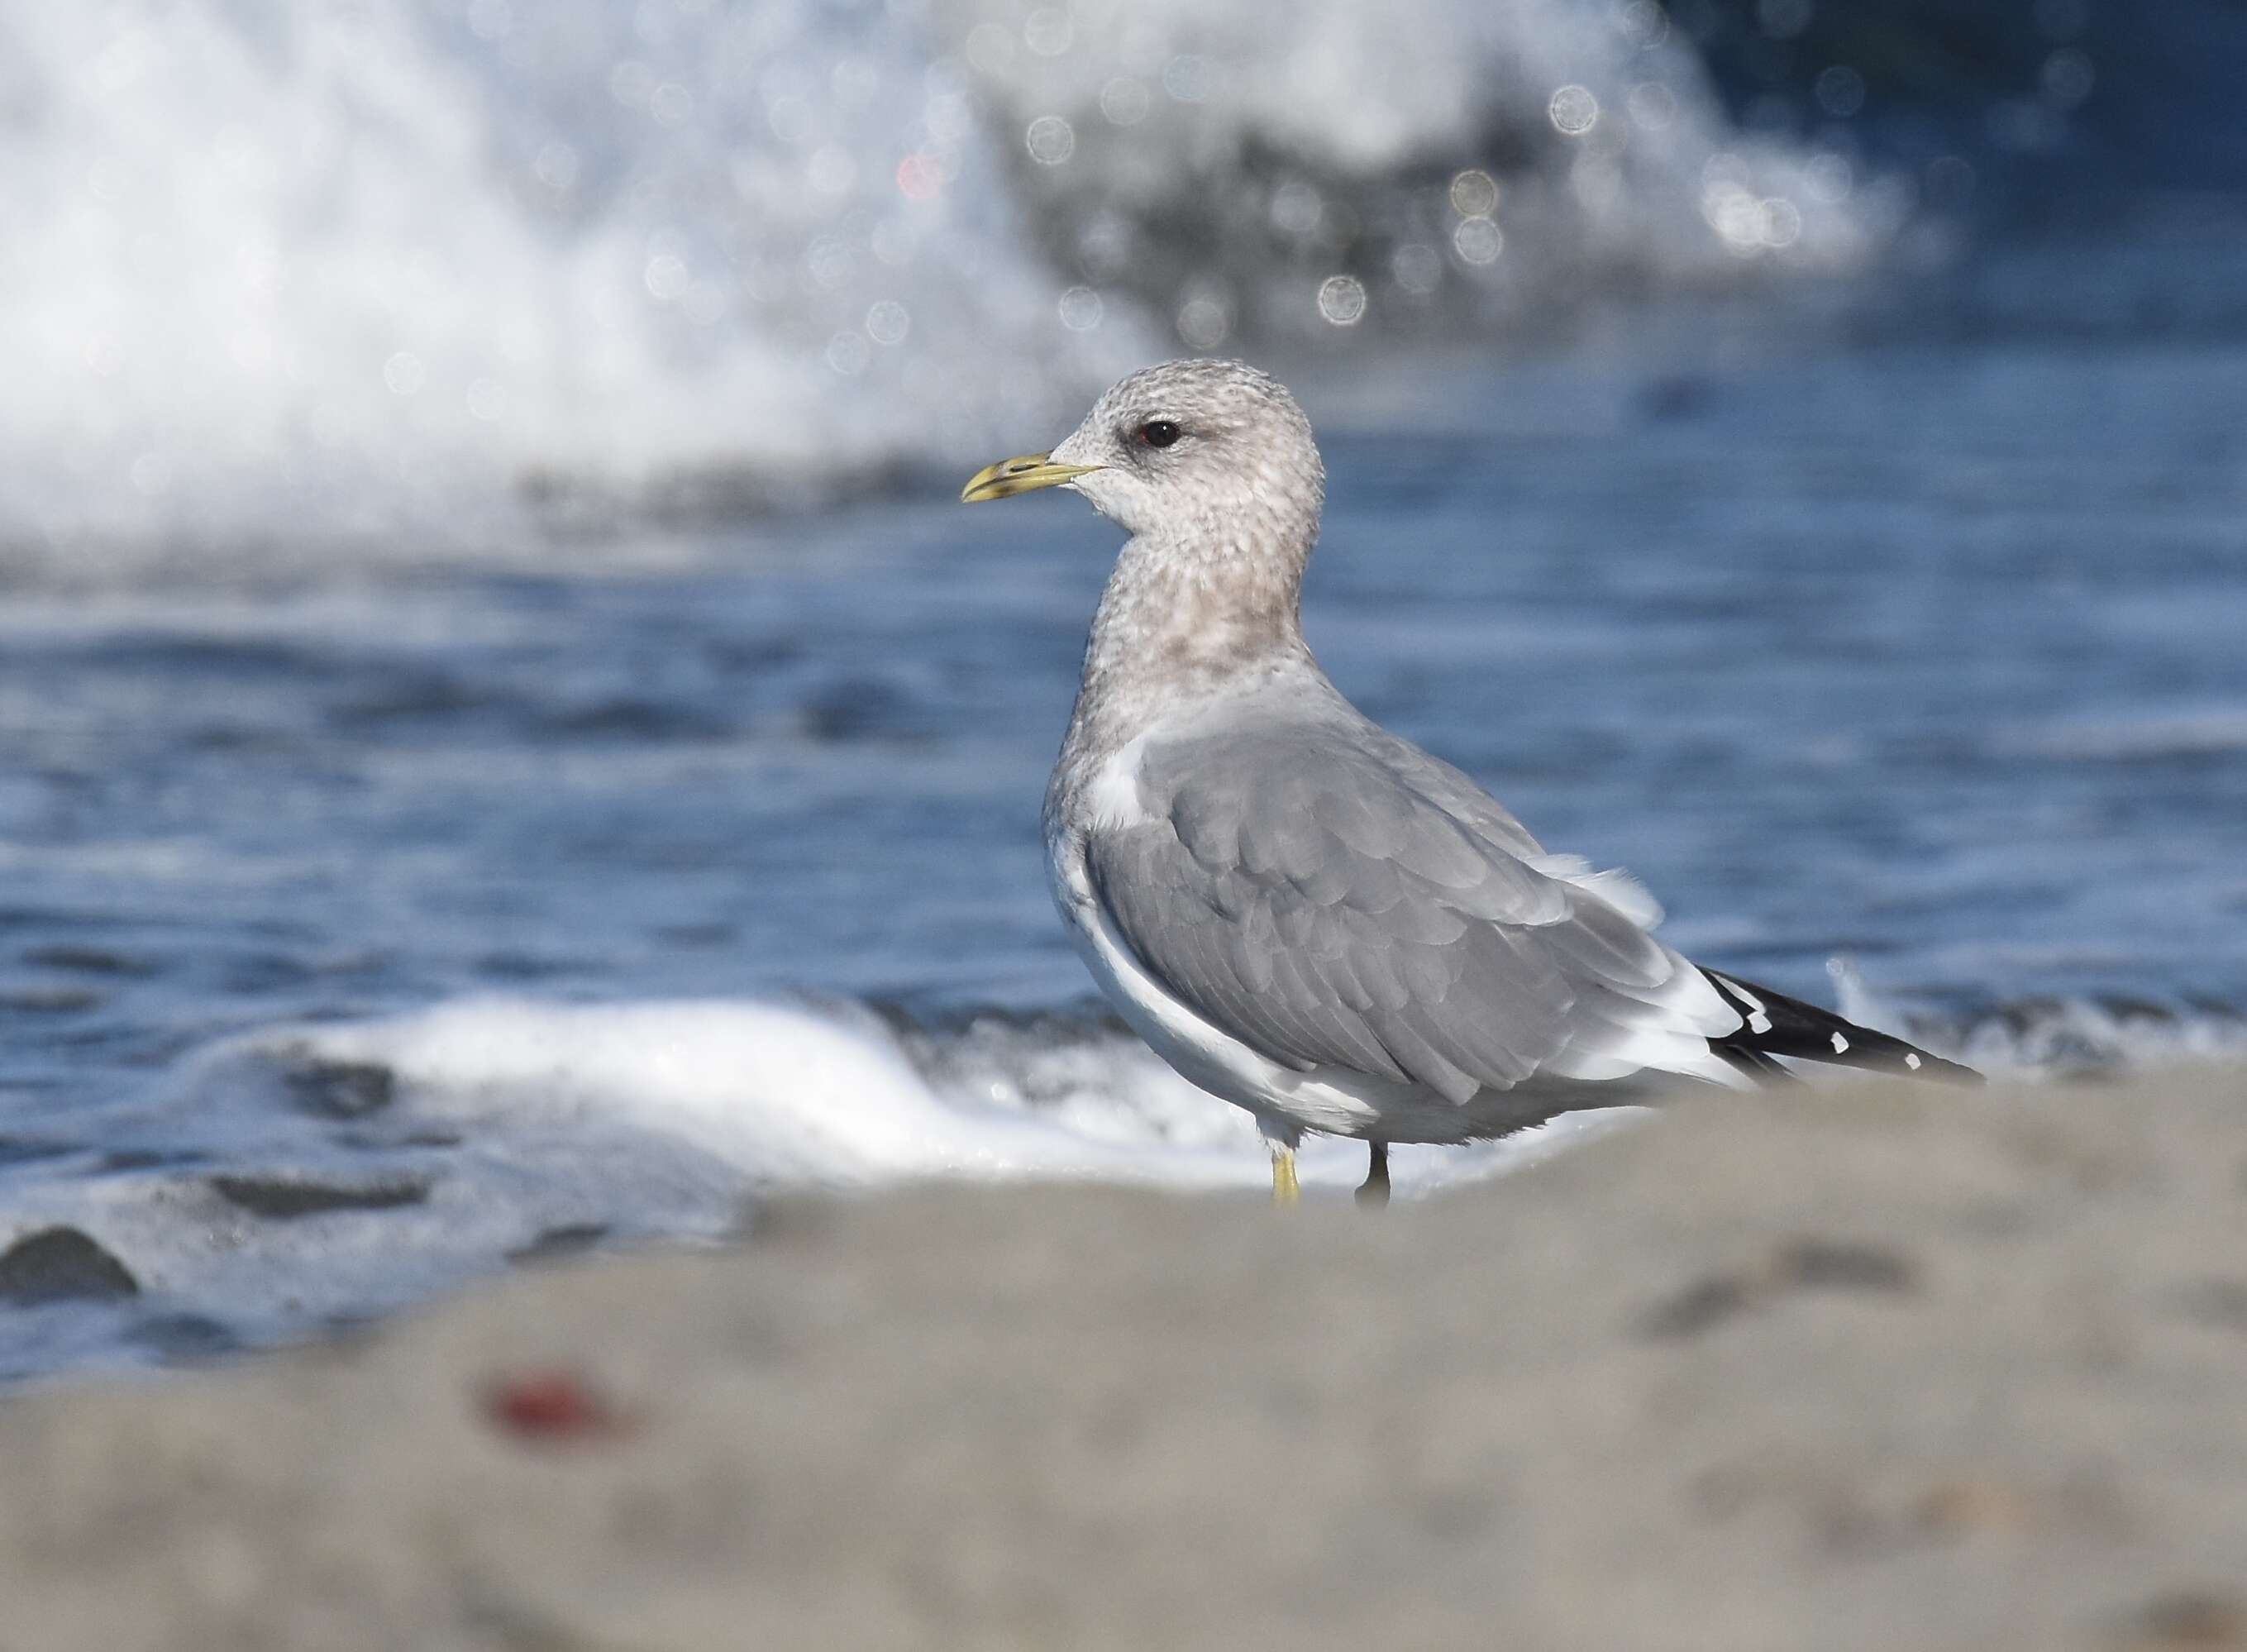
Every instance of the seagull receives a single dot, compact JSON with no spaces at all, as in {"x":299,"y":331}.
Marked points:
{"x":1308,"y":915}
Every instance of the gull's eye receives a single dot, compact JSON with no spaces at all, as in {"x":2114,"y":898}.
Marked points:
{"x":1157,"y":432}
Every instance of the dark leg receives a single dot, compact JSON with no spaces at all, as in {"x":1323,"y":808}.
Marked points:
{"x":1375,"y":1194}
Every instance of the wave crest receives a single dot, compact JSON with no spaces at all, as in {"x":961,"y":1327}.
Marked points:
{"x":422,"y":275}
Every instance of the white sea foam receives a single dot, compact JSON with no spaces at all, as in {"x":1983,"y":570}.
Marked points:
{"x":419,"y":275}
{"x":1491,"y":157}
{"x":491,"y":1128}
{"x":484,"y":1129}
{"x":352,"y":271}
{"x":796,"y":1095}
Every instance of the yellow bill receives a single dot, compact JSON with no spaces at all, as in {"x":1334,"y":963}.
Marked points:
{"x":1023,"y":475}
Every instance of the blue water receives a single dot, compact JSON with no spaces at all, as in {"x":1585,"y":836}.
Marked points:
{"x":1908,"y":633}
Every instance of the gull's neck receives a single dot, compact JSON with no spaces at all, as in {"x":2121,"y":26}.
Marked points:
{"x":1186,"y":616}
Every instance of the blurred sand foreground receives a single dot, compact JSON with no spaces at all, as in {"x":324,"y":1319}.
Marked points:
{"x":1868,"y":1369}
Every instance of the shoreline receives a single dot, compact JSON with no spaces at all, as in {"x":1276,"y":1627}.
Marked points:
{"x":1873,"y":1366}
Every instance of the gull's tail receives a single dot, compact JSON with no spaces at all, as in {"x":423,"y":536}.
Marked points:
{"x":1777,"y":1025}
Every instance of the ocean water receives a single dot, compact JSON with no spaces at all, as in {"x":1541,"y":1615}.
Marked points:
{"x":563,"y":800}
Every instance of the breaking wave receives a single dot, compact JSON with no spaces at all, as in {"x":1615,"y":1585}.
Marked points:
{"x":425,"y":277}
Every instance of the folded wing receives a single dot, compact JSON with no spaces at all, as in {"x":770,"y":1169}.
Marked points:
{"x":1352,"y":902}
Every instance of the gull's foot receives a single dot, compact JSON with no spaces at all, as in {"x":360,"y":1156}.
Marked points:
{"x":1285,"y":1192}
{"x":1374,"y":1194}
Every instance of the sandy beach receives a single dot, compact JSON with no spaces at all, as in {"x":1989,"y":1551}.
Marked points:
{"x":545,"y":1101}
{"x":1870,"y":1368}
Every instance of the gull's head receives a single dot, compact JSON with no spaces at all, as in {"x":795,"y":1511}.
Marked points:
{"x":1187,"y":447}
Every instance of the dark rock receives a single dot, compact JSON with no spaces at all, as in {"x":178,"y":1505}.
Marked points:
{"x":62,"y":1264}
{"x":286,"y":1199}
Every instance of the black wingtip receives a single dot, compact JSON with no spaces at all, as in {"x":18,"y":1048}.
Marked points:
{"x":1774,"y":1025}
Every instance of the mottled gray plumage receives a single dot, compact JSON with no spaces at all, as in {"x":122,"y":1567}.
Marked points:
{"x":1304,"y":913}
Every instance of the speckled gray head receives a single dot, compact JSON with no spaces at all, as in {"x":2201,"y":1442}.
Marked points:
{"x":1189,"y":449}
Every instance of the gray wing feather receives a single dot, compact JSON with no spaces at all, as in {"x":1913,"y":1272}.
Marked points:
{"x":1351,"y":902}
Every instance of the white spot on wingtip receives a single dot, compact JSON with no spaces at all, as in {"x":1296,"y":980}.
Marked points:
{"x":1758,"y":1022}
{"x":1741,"y":995}
{"x":1912,"y":1062}
{"x":1841,"y":1045}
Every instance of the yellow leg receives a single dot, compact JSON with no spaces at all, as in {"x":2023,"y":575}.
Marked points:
{"x":1284,"y":1189}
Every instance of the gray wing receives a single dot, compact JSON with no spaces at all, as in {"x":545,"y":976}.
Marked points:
{"x":1328,"y":900}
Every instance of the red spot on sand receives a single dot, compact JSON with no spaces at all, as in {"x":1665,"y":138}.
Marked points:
{"x":558,"y":1406}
